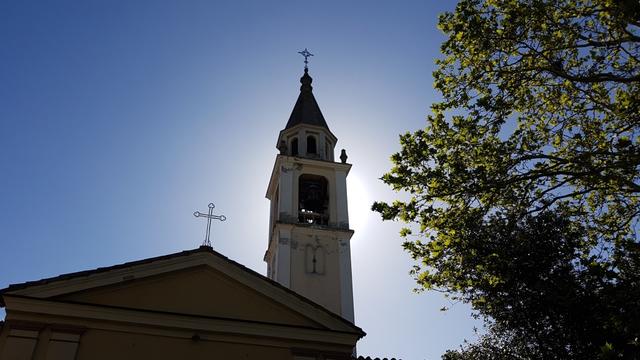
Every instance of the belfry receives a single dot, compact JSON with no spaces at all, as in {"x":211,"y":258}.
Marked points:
{"x":309,"y":249}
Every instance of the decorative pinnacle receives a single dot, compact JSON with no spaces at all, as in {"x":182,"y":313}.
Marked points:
{"x":306,"y":55}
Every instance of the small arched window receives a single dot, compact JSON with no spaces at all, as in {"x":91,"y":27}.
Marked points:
{"x":294,"y":147}
{"x":311,"y":145}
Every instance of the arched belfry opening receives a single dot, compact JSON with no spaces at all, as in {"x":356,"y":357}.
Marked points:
{"x":294,"y":147}
{"x":313,"y":200}
{"x":312,"y":147}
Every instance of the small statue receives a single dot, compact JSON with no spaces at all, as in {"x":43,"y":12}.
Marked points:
{"x":343,"y":156}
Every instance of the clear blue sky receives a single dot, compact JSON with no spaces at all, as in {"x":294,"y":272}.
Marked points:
{"x":119,"y":119}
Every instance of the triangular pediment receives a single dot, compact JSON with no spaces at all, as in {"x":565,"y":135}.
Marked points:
{"x":200,"y":291}
{"x":198,"y":282}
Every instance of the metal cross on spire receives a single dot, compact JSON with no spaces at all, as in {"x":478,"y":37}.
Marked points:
{"x":210,"y":216}
{"x":306,"y":55}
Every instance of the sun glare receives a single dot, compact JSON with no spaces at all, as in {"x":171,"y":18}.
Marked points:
{"x":359,"y":202}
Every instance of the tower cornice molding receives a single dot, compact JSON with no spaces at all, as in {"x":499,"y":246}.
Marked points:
{"x":302,"y":161}
{"x":312,"y":229}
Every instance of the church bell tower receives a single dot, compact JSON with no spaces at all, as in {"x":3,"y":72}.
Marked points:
{"x":309,"y":249}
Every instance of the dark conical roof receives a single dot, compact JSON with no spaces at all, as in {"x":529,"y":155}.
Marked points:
{"x":306,"y":110}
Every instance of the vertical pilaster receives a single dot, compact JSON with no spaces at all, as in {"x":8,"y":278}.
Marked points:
{"x":342,"y":211}
{"x":285,"y":211}
{"x":283,"y":262}
{"x":302,"y":140}
{"x":346,"y":285}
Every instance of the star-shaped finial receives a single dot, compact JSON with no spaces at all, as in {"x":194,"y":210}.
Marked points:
{"x":306,"y":55}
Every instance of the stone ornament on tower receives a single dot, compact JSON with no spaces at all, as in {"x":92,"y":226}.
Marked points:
{"x":343,"y":156}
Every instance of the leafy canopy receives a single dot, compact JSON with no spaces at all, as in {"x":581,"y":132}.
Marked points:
{"x":539,"y":128}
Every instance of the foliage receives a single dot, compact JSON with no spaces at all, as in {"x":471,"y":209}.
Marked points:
{"x":548,"y":296}
{"x":525,"y":185}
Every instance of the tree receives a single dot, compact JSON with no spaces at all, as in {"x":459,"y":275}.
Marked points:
{"x":534,"y":150}
{"x":548,"y":298}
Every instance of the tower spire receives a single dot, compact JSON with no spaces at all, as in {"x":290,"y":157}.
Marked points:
{"x":306,"y":109}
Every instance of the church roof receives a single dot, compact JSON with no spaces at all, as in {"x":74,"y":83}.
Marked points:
{"x":202,"y":250}
{"x":306,"y":109}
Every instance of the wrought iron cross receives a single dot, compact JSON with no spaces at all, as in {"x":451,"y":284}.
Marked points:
{"x":210,"y":216}
{"x":306,"y":55}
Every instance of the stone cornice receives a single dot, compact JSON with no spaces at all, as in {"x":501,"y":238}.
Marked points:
{"x":98,"y":316}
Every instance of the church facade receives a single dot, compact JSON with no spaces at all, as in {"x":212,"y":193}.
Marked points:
{"x":198,"y":304}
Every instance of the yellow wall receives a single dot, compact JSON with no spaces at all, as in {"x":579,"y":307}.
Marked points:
{"x":60,"y":338}
{"x":98,"y":345}
{"x":199,"y":291}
